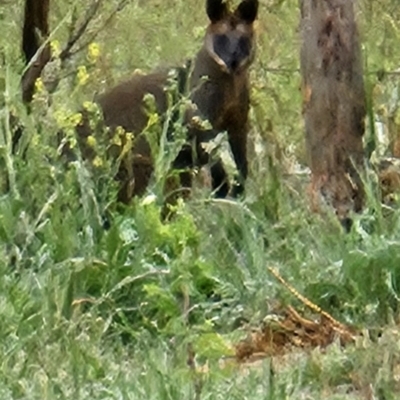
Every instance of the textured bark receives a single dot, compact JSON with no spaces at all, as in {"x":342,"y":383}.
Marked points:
{"x":334,"y":101}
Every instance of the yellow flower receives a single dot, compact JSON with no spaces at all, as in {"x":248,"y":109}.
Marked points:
{"x":82,"y":75}
{"x":127,"y":145}
{"x":90,"y":106}
{"x":116,"y":139}
{"x":119,"y":131}
{"x":91,"y":141}
{"x":97,"y":162}
{"x":93,"y":52}
{"x":153,"y":120}
{"x":55,"y":48}
{"x":35,"y":139}
{"x":39,"y":86}
{"x":75,"y":119}
{"x":129,"y":136}
{"x":59,"y":116}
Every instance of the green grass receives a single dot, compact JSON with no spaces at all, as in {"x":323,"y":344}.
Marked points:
{"x":88,"y":313}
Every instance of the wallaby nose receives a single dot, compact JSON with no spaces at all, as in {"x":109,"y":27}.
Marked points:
{"x":231,"y":64}
{"x":232,"y":50}
{"x":231,"y":60}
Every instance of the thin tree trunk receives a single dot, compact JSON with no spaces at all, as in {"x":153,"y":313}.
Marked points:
{"x":35,"y":32}
{"x":334,"y":102}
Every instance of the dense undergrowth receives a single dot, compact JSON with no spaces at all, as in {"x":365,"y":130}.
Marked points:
{"x":95,"y":313}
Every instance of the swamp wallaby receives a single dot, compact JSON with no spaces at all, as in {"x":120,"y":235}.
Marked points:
{"x":219,"y":91}
{"x":218,"y":87}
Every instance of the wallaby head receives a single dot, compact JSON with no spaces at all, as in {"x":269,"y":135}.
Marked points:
{"x":229,"y":38}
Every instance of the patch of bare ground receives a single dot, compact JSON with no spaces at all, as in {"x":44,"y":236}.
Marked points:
{"x":288,"y":330}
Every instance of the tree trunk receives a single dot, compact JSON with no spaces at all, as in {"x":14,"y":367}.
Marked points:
{"x":334,"y":102}
{"x":35,"y":32}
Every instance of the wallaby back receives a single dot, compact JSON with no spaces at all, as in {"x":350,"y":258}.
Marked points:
{"x":123,"y":106}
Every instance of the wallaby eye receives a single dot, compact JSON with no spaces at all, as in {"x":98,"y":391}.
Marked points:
{"x":244,"y":46}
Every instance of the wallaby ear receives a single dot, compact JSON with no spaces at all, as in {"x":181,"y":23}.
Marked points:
{"x":247,"y":10}
{"x":216,"y":10}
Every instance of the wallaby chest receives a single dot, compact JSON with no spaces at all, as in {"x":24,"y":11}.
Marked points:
{"x":222,"y":99}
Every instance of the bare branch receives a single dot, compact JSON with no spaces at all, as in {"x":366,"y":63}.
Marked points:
{"x":119,"y":7}
{"x":90,"y":14}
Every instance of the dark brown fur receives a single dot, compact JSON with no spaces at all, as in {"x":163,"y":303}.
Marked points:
{"x":219,"y":90}
{"x":224,"y":98}
{"x":122,"y":106}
